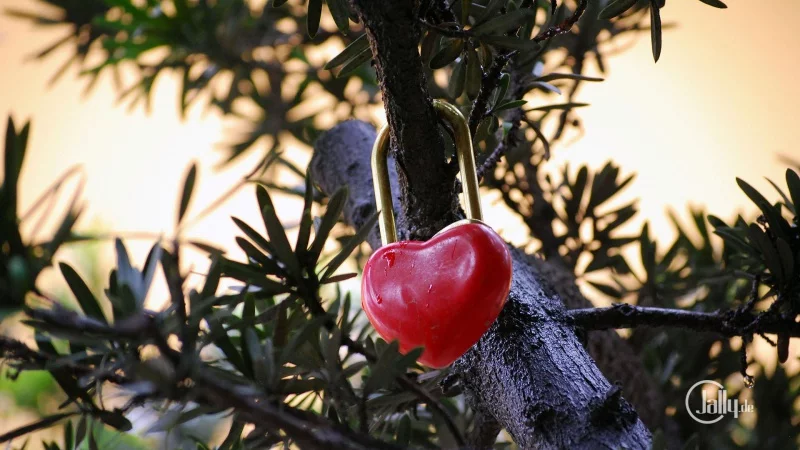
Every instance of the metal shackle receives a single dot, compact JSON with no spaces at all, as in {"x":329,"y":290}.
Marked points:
{"x":466,"y":163}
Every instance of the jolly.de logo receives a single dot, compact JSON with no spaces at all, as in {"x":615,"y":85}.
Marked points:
{"x":712,"y":410}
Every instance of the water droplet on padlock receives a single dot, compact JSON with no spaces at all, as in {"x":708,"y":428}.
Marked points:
{"x":430,"y":288}
{"x":749,"y":381}
{"x":389,"y":257}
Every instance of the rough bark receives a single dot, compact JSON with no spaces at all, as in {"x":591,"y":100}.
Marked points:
{"x":529,"y":371}
{"x":485,"y":429}
{"x":429,"y":198}
{"x":615,"y":357}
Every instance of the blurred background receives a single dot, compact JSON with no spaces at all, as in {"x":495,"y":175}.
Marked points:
{"x":720,"y":103}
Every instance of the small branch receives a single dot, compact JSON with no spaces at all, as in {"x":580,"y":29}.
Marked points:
{"x":492,"y":77}
{"x":449,"y":32}
{"x":564,"y":26}
{"x":24,"y":357}
{"x":509,"y":142}
{"x":514,"y":117}
{"x":16,"y":350}
{"x":410,"y":385}
{"x":41,"y":424}
{"x":439,"y":11}
{"x":729,"y":324}
{"x":489,"y":83}
{"x":542,"y":213}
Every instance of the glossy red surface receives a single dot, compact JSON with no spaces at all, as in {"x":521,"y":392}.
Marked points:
{"x":442,"y":294}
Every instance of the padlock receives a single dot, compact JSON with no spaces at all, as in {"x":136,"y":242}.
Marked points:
{"x":442,"y":294}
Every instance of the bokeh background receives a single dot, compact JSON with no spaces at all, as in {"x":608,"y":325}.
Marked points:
{"x":720,"y":103}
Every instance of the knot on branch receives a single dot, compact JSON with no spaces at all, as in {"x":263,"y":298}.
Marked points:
{"x":612,"y":409}
{"x":625,"y":309}
{"x":544,"y":415}
{"x":451,"y":385}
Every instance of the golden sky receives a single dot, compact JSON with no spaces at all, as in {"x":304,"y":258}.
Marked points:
{"x":720,"y":103}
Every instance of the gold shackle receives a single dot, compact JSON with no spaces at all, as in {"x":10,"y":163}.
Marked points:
{"x":466,"y":163}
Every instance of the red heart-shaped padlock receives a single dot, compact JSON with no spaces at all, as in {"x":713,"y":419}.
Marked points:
{"x":442,"y":294}
{"x":445,"y":293}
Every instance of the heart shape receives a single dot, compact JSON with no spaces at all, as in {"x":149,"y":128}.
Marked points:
{"x":442,"y":294}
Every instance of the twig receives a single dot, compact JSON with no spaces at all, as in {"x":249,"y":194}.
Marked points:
{"x":484,"y":431}
{"x":60,"y":317}
{"x":510,"y":141}
{"x":15,"y":350}
{"x":489,"y":83}
{"x":51,"y":191}
{"x":623,"y":315}
{"x":449,"y":32}
{"x":315,"y":307}
{"x":564,"y":26}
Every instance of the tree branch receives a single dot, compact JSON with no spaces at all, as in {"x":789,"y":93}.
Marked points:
{"x":615,"y":357}
{"x":484,"y":431}
{"x":427,"y":182}
{"x":510,"y":141}
{"x":564,"y":26}
{"x":728,"y":324}
{"x":490,"y":81}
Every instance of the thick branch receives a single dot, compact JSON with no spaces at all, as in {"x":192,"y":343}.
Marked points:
{"x":529,"y":371}
{"x":429,"y":198}
{"x":615,"y":357}
{"x":623,"y":315}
